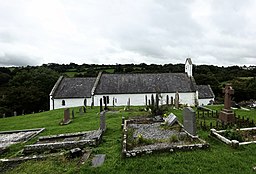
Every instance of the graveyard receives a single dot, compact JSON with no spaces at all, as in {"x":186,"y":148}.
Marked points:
{"x":214,"y":158}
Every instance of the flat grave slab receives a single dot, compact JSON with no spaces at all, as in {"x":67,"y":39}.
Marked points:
{"x":65,"y":141}
{"x":8,"y":138}
{"x":98,"y":160}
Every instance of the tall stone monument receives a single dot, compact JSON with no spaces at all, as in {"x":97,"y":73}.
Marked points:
{"x":103,"y":121}
{"x":177,"y":100}
{"x":227,"y":115}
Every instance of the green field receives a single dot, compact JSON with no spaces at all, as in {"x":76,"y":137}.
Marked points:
{"x":219,"y":158}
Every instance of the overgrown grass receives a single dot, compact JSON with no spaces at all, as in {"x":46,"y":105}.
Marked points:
{"x":219,"y":158}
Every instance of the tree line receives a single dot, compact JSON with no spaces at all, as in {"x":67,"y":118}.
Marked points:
{"x":26,"y":89}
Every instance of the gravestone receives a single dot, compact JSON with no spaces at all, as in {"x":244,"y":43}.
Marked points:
{"x":128,"y":103}
{"x":14,"y":113}
{"x":101,"y":108}
{"x":167,"y":100}
{"x":73,"y":114}
{"x":171,"y":100}
{"x":3,"y":115}
{"x":152,"y":100}
{"x":92,"y":104}
{"x":98,"y":160}
{"x":171,"y":119}
{"x":177,"y":100}
{"x":81,"y":111}
{"x":103,"y":121}
{"x":106,"y":102}
{"x":85,"y":102}
{"x":157,"y":101}
{"x":66,"y":119}
{"x":189,"y":120}
{"x":226,"y":114}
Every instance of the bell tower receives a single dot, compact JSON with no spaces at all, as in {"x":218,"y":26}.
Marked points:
{"x":188,"y":67}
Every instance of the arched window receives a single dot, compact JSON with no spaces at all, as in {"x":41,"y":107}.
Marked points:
{"x":63,"y":102}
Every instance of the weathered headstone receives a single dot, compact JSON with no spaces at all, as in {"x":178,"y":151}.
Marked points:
{"x":98,"y":160}
{"x":103,"y":121}
{"x":227,"y":115}
{"x":177,"y":100}
{"x":171,"y":100}
{"x":85,"y":102}
{"x":128,"y":103}
{"x":14,"y":113}
{"x":157,"y":101}
{"x":3,"y":115}
{"x":189,"y":120}
{"x":81,"y":111}
{"x":152,"y":100}
{"x":92,"y":104}
{"x":73,"y":114}
{"x":106,"y":102}
{"x":171,"y":119}
{"x":101,"y":108}
{"x":66,"y":119}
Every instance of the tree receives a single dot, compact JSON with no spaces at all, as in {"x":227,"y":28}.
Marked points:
{"x":30,"y":90}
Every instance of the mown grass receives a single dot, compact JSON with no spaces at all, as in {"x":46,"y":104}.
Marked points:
{"x":219,"y":158}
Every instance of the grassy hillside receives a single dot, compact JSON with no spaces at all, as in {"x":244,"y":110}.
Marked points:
{"x":219,"y":158}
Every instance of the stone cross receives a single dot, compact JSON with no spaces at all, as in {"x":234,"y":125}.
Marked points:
{"x":177,"y":100}
{"x":189,"y":120}
{"x":229,"y":91}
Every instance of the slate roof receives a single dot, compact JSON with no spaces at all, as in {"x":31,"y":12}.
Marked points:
{"x":205,"y":91}
{"x":144,"y":83}
{"x":75,"y":88}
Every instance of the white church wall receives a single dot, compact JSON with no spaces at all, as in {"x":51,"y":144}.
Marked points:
{"x":204,"y":101}
{"x":69,"y":102}
{"x":139,"y":99}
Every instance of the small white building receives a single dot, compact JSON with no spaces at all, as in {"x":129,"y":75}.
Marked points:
{"x":119,"y":88}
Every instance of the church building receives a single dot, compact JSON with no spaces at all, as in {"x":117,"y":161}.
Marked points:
{"x":119,"y":88}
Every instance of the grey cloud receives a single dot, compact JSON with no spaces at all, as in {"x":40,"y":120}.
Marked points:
{"x":10,"y":59}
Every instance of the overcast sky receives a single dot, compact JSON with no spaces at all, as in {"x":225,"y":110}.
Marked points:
{"x":218,"y":32}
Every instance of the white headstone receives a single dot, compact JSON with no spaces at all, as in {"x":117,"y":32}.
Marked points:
{"x":171,"y":119}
